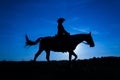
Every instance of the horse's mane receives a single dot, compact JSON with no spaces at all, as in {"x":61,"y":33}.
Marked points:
{"x":79,"y":34}
{"x":76,"y":35}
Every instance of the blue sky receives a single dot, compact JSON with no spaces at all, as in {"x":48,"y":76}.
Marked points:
{"x":38,"y":18}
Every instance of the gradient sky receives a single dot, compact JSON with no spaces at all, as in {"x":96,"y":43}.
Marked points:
{"x":38,"y":18}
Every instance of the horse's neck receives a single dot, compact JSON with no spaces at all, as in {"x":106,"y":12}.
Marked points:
{"x":78,"y":38}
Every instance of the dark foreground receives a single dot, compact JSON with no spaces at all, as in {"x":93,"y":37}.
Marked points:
{"x":93,"y":69}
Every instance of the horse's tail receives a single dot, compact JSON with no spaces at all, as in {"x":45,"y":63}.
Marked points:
{"x":30,"y":43}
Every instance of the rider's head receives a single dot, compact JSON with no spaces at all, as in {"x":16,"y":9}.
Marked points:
{"x":60,"y":20}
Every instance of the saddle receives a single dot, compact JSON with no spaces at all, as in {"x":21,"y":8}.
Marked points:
{"x":63,"y":40}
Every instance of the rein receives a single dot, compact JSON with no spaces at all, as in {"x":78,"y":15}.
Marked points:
{"x":85,"y":43}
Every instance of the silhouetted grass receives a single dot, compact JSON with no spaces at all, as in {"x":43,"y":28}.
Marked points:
{"x":94,"y":68}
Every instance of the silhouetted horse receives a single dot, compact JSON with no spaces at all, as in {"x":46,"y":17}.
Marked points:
{"x":54,"y":44}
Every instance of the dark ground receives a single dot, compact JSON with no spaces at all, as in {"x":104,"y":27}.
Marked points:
{"x":104,"y":68}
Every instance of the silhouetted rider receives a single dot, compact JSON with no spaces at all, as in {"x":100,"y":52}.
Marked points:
{"x":62,"y":34}
{"x":61,"y":31}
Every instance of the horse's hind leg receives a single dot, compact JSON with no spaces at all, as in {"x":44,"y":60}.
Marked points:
{"x":47,"y":55}
{"x":37,"y":54}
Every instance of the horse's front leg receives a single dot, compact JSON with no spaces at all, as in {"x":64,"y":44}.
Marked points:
{"x":73,"y":53}
{"x":70,"y":55}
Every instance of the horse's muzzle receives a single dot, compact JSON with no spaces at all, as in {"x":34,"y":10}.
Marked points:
{"x":92,"y":45}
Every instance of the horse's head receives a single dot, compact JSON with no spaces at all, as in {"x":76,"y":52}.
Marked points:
{"x":89,"y":40}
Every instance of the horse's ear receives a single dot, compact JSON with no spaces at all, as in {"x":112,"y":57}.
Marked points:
{"x":90,"y":33}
